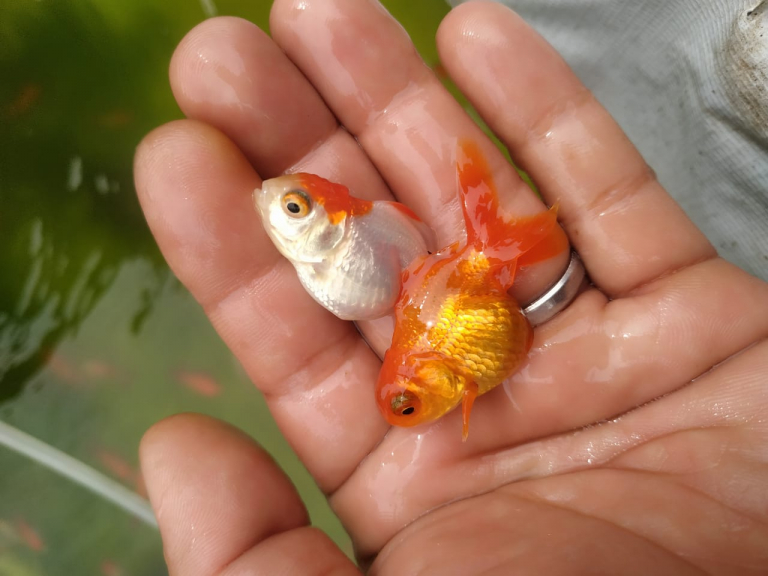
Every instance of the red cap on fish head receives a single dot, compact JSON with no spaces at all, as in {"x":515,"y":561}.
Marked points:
{"x":335,"y":198}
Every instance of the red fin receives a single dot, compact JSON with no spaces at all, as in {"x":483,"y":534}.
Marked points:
{"x":504,"y":274}
{"x":487,"y":230}
{"x":405,"y":210}
{"x":478,"y":193}
{"x":470,"y":393}
{"x":553,"y":244}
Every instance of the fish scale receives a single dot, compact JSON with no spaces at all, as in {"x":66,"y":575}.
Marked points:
{"x":481,"y":332}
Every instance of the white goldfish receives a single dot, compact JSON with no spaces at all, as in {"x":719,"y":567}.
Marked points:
{"x":348,"y":253}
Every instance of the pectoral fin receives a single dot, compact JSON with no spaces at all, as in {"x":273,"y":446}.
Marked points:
{"x":470,"y":393}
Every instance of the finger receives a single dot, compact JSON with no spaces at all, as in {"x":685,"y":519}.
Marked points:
{"x":306,"y":551}
{"x":224,"y":507}
{"x":368,"y":72}
{"x":228,"y":73}
{"x":194,"y":186}
{"x":625,"y":226}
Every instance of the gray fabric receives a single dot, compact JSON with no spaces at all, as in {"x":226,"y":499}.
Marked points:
{"x":688,"y":82}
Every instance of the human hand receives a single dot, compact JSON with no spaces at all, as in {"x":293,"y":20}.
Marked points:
{"x":632,"y":442}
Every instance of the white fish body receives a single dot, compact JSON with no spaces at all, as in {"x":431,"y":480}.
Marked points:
{"x":348,"y":253}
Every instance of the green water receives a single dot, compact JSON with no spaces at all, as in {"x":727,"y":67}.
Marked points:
{"x":98,"y":340}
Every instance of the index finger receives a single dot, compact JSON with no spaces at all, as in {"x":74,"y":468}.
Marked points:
{"x":367,"y":70}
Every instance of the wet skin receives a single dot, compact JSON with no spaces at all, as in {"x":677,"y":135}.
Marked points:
{"x":667,"y":352}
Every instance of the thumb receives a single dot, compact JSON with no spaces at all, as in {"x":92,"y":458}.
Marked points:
{"x":225,"y":508}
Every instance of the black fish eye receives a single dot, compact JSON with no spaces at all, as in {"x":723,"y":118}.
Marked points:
{"x":403,"y":404}
{"x":297,"y":204}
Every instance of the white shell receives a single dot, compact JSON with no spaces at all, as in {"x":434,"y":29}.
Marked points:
{"x":745,"y":68}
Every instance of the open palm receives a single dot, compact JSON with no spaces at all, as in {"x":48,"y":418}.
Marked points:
{"x":633,"y":441}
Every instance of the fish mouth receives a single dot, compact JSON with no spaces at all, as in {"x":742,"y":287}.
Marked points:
{"x":259,"y":196}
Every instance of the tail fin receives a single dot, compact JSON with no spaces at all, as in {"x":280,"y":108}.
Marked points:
{"x":527,"y":239}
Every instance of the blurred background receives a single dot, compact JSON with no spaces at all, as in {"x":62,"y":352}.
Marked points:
{"x":98,"y":340}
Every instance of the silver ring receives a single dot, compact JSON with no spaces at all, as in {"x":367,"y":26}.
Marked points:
{"x":560,"y":295}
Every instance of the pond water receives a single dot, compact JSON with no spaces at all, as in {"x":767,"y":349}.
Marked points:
{"x":98,"y":340}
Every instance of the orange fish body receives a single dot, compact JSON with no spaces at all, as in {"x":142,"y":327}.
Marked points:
{"x":458,"y":333}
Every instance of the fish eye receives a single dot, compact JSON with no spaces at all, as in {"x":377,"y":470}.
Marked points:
{"x":297,"y":204}
{"x":404,"y":404}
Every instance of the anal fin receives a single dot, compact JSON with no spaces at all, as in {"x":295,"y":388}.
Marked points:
{"x":470,"y":393}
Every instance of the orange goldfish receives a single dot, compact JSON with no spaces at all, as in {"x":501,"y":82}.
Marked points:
{"x":348,"y":253}
{"x":29,"y":536}
{"x":458,"y":333}
{"x":200,"y":382}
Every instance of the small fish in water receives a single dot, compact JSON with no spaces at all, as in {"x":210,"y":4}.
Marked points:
{"x":29,"y":536}
{"x":200,"y":383}
{"x":349,"y":253}
{"x":458,"y":333}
